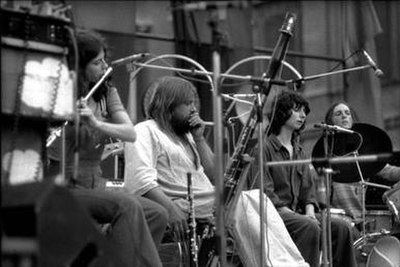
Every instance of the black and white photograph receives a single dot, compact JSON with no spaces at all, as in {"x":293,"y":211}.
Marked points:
{"x":183,"y":133}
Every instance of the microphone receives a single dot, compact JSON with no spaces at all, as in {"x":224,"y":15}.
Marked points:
{"x":333,"y":128}
{"x":378,"y":72}
{"x":206,"y":5}
{"x":128,"y":58}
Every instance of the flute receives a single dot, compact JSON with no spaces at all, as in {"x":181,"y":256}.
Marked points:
{"x":57,"y":131}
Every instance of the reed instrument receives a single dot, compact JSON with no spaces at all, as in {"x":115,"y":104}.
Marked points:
{"x":194,"y":249}
{"x":238,"y":165}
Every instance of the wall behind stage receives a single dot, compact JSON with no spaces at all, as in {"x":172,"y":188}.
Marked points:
{"x":115,"y":20}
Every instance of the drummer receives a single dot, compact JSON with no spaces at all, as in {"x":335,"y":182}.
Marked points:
{"x":347,"y":196}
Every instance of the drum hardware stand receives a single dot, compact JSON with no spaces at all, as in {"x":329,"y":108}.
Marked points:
{"x":364,"y":185}
{"x":363,"y":188}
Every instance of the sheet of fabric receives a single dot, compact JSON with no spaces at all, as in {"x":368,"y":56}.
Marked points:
{"x":280,"y":249}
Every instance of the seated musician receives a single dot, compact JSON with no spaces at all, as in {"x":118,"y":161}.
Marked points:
{"x":347,"y":196}
{"x":291,"y":188}
{"x":137,"y":223}
{"x":171,"y":144}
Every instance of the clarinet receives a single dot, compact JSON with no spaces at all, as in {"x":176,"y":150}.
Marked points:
{"x":239,"y":163}
{"x":193,"y":259}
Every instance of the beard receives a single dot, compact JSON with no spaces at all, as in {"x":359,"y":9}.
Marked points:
{"x":180,"y":126}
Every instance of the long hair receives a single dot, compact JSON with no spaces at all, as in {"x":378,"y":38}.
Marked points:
{"x":286,"y":101}
{"x":169,"y":93}
{"x":90,"y":43}
{"x":329,"y":112}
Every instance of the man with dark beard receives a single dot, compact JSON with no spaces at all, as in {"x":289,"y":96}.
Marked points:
{"x":169,"y":145}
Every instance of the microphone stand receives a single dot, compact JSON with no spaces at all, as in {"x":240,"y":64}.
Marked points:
{"x":321,"y":75}
{"x":218,"y":136}
{"x":263,"y":215}
{"x":325,"y":213}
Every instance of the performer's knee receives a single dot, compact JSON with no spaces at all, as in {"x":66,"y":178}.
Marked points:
{"x":342,"y":228}
{"x":162,"y":216}
{"x":313,"y":229}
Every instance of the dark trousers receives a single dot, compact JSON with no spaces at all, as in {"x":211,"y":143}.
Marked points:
{"x":138,"y":224}
{"x":306,"y":234}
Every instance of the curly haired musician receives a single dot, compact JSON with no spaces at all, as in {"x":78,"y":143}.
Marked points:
{"x":138,"y":224}
{"x":291,"y":188}
{"x":169,"y":145}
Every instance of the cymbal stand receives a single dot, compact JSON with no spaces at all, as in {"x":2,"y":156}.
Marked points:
{"x":364,"y":186}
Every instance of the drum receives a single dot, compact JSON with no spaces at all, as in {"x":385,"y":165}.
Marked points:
{"x":385,"y":253}
{"x":374,"y":247}
{"x":392,"y":199}
{"x":378,"y":220}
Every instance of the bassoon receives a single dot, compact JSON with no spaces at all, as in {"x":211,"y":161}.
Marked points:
{"x":239,"y":163}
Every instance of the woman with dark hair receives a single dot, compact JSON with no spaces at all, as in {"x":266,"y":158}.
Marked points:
{"x":291,"y":188}
{"x":137,"y":224}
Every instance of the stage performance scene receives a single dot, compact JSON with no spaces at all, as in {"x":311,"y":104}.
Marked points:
{"x":200,"y":133}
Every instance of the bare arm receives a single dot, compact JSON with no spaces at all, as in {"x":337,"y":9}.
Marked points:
{"x":120,"y":126}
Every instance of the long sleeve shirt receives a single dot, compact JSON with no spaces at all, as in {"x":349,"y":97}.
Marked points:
{"x":287,"y":186}
{"x":156,"y":160}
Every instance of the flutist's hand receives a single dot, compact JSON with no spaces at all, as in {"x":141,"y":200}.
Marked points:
{"x":86,"y":114}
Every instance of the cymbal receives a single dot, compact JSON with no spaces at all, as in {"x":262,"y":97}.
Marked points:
{"x":369,"y":140}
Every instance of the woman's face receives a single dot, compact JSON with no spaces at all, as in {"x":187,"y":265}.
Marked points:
{"x":96,"y":68}
{"x":341,"y":116}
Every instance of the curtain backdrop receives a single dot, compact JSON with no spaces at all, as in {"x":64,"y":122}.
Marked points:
{"x":363,"y":90}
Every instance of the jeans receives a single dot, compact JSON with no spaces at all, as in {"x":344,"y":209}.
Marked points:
{"x":306,"y":234}
{"x":138,"y":224}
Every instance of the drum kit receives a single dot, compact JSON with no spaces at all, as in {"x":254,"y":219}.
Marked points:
{"x":377,"y":226}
